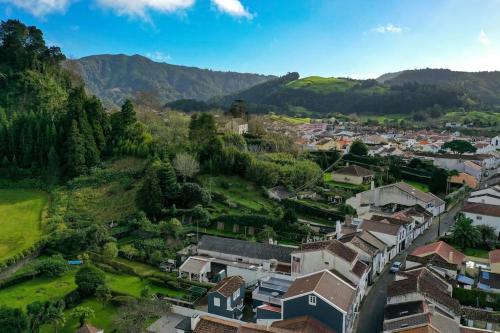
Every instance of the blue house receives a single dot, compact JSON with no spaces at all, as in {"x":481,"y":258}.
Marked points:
{"x":323,"y":296}
{"x":226,"y":298}
{"x":267,"y":296}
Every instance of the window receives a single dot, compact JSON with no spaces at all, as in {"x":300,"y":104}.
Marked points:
{"x":479,"y":217}
{"x":312,"y":300}
{"x":236,"y":294}
{"x":216,"y":301}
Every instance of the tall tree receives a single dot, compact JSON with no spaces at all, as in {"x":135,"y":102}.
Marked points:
{"x":149,"y":196}
{"x":75,"y":155}
{"x":464,"y":233}
{"x":459,"y":147}
{"x":168,"y":180}
{"x":358,"y":148}
{"x":12,"y":320}
{"x":186,"y":165}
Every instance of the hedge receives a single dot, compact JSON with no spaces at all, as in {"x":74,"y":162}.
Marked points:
{"x":13,"y":280}
{"x":471,"y":298}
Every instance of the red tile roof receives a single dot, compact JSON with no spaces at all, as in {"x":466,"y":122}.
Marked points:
{"x":445,"y":251}
{"x":495,"y":257}
{"x":229,"y":285}
{"x":482,"y":209}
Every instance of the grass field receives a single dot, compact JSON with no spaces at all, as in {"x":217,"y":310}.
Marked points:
{"x":239,"y":191}
{"x":419,"y":186}
{"x":20,"y":220}
{"x":38,"y":289}
{"x":290,"y":120}
{"x":133,"y":285}
{"x":327,"y":178}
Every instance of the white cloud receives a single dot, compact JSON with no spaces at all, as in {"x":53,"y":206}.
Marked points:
{"x":483,"y":38}
{"x":140,"y":8}
{"x":40,"y":8}
{"x":158,"y":56}
{"x":388,"y":28}
{"x":232,"y":7}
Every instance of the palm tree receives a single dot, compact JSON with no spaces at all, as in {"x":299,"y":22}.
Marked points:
{"x":488,"y":234}
{"x":464,"y":233}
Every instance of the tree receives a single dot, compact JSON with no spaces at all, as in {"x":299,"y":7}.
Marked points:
{"x":128,"y":116}
{"x":202,"y":129}
{"x":459,"y":147}
{"x":358,"y":148}
{"x":290,"y":217}
{"x":110,"y":250}
{"x":238,"y":109}
{"x":12,"y":320}
{"x":171,"y":228}
{"x":53,"y":266}
{"x":129,"y":251}
{"x":439,"y":181}
{"x":464,"y":233}
{"x":193,"y":194}
{"x":75,"y":155}
{"x":37,"y":315}
{"x":186,"y":165}
{"x":89,"y":278}
{"x":82,"y":314}
{"x":55,"y":314}
{"x":488,"y":235}
{"x":168,"y":180}
{"x":103,"y":294}
{"x":132,"y":316}
{"x":146,"y":292}
{"x":149,"y":196}
{"x":52,"y":170}
{"x":266,"y":233}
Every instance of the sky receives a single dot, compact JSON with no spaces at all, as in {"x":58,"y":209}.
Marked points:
{"x":355,"y":38}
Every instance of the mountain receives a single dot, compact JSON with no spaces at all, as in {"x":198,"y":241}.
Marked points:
{"x":323,"y":95}
{"x":483,"y":85}
{"x":113,"y":78}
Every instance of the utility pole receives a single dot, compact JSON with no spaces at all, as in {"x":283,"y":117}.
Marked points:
{"x":439,"y":224}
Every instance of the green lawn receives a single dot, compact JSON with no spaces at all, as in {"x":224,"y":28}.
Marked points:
{"x":20,"y":220}
{"x":133,"y":285}
{"x":419,"y":186}
{"x":104,"y":316}
{"x":472,"y":252}
{"x":139,"y":268}
{"x":38,"y":289}
{"x":328,"y":180}
{"x":290,"y":120}
{"x":322,"y":85}
{"x":239,"y":191}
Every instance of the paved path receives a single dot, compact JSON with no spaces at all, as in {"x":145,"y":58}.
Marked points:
{"x":371,"y":315}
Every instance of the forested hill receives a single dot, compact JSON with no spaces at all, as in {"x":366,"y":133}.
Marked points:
{"x":320,"y":96}
{"x":114,"y":78}
{"x":483,"y":85}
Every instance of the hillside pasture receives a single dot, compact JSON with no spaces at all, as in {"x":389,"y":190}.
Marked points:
{"x":20,"y":220}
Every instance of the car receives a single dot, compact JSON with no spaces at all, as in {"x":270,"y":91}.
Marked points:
{"x":396,"y":266}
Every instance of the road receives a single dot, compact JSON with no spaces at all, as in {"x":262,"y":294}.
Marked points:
{"x":371,"y":315}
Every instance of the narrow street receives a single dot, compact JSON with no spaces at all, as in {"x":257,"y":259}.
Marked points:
{"x":371,"y":315}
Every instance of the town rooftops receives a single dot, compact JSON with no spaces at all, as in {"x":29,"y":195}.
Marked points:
{"x":327,"y":285}
{"x":445,"y":251}
{"x":194,"y":265}
{"x":355,"y":170}
{"x":401,"y":220}
{"x":333,"y":246}
{"x":393,"y":311}
{"x":482,"y":209}
{"x":245,"y":249}
{"x":228,"y":285}
{"x":422,"y":196}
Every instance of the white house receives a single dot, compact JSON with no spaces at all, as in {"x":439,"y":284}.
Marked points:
{"x":490,"y":196}
{"x":495,"y":142}
{"x":397,"y":193}
{"x":391,"y":234}
{"x":481,"y":213}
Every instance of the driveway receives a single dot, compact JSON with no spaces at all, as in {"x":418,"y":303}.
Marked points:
{"x":371,"y":315}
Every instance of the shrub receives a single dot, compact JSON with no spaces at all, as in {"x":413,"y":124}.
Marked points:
{"x":89,"y":278}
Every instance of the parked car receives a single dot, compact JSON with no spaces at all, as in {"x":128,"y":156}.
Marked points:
{"x":396,"y":266}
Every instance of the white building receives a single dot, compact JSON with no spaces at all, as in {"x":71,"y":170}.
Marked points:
{"x":483,"y":214}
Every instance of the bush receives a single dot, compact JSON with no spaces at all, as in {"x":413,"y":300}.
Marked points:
{"x":472,"y":297}
{"x":53,"y":266}
{"x":122,"y":300}
{"x":72,"y":299}
{"x":13,"y":280}
{"x":89,"y":278}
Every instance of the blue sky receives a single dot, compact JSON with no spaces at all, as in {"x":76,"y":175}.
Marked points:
{"x":357,"y":38}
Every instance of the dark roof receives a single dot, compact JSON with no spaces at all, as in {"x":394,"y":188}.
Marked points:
{"x":490,"y":279}
{"x":228,"y":285}
{"x":391,"y":220}
{"x":482,"y":209}
{"x":245,"y":248}
{"x":303,"y":324}
{"x":432,"y":260}
{"x":380,"y":226}
{"x":326,"y":284}
{"x":184,"y":325}
{"x":359,"y":268}
{"x":393,"y":311}
{"x":355,"y":170}
{"x":334,"y":246}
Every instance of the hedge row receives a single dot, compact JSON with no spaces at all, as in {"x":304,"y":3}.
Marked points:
{"x":473,"y":297}
{"x":418,"y":178}
{"x":13,"y":280}
{"x":20,"y":256}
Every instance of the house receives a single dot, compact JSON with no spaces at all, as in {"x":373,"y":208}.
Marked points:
{"x":279,"y":193}
{"x":267,"y":296}
{"x":441,"y":249}
{"x":371,"y":250}
{"x":495,"y":142}
{"x":304,"y":324}
{"x":86,"y":328}
{"x":421,"y":284}
{"x":353,"y":174}
{"x":325,"y":297}
{"x":465,"y":179}
{"x":490,"y":196}
{"x":481,"y":213}
{"x":236,"y":126}
{"x":407,"y":222}
{"x":250,"y":260}
{"x":494,"y":257}
{"x":197,"y":268}
{"x":330,"y":255}
{"x":393,"y":235}
{"x":226,"y":298}
{"x":419,"y":215}
{"x":396,"y":194}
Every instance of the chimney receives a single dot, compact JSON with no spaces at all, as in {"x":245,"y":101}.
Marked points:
{"x":372,"y":184}
{"x":195,"y":318}
{"x":450,"y":256}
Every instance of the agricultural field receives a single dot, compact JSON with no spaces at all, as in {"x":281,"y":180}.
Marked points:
{"x":20,"y":220}
{"x":481,"y":117}
{"x":290,"y":120}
